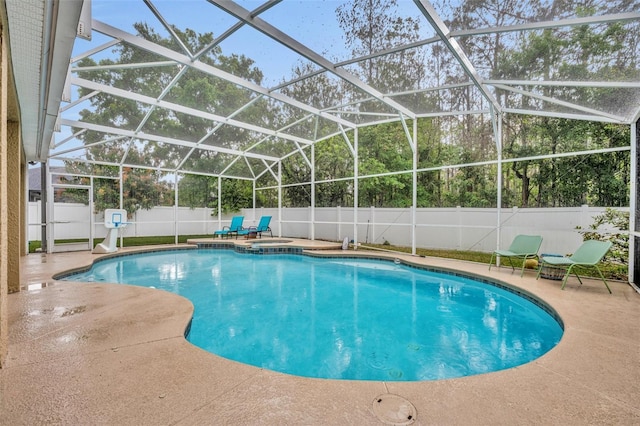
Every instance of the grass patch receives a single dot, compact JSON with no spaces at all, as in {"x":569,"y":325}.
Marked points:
{"x":127,"y":241}
{"x":611,"y":270}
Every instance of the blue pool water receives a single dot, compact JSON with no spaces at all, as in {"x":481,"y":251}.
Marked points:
{"x":342,"y":318}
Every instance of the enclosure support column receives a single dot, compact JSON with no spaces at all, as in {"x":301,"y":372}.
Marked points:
{"x":43,"y":206}
{"x":355,"y":188}
{"x":253,"y":193}
{"x":497,"y":129}
{"x":121,"y":205}
{"x":50,"y":200}
{"x":313,"y":192}
{"x":414,"y":183}
{"x":219,"y":202}
{"x":175,"y":206}
{"x":92,"y":225}
{"x":279,"y":199}
{"x":634,"y":209}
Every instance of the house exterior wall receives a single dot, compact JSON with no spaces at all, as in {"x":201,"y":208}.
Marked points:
{"x":12,"y":229}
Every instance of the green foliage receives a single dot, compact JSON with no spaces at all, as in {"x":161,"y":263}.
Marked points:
{"x":142,"y":189}
{"x":611,"y":270}
{"x":371,"y":26}
{"x":198,"y":191}
{"x":237,"y":194}
{"x":613,"y":226}
{"x":587,"y":52}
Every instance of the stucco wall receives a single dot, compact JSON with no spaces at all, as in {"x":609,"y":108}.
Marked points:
{"x":15,"y":206}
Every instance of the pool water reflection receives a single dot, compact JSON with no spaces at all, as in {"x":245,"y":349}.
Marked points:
{"x":342,"y":318}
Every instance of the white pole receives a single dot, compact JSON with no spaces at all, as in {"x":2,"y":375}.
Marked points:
{"x":121,"y":204}
{"x":414,"y":196}
{"x":219,"y":202}
{"x":279,"y":199}
{"x":355,"y":189}
{"x":175,"y":206}
{"x":633,"y":205}
{"x":498,"y":135}
{"x":313,"y":192}
{"x":253,"y":192}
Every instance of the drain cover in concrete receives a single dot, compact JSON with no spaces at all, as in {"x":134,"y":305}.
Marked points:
{"x":394,"y":410}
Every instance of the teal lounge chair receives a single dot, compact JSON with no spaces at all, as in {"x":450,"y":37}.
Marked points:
{"x":523,"y":247}
{"x":263,"y":226}
{"x":234,"y":228}
{"x":588,"y":255}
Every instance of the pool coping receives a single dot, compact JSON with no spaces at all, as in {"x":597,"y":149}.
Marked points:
{"x":569,"y":384}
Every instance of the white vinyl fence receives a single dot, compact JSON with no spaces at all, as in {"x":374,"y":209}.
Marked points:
{"x":441,"y":228}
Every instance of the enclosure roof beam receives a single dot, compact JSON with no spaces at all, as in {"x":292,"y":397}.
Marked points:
{"x":183,"y":109}
{"x":207,"y":69}
{"x":568,"y":83}
{"x":555,"y":114}
{"x":282,"y":38}
{"x":340,"y":64}
{"x":235,"y":27}
{"x":454,"y":47}
{"x":162,"y":139}
{"x":135,"y":65}
{"x":533,"y":26}
{"x":168,"y":27}
{"x":140,"y":166}
{"x":95,"y":50}
{"x":562,"y":103}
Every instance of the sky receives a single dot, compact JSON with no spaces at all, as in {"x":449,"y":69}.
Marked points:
{"x":311,"y":22}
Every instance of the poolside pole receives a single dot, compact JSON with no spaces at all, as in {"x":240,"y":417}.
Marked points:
{"x":355,"y":188}
{"x":414,"y":178}
{"x":280,"y":199}
{"x":497,"y":129}
{"x":634,"y":209}
{"x":313,"y":193}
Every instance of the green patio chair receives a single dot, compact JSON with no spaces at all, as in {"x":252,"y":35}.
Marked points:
{"x":233,"y":228}
{"x":523,"y":247}
{"x":588,"y":255}
{"x":263,"y":226}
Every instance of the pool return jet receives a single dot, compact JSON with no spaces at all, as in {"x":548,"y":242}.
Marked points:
{"x":114,"y":220}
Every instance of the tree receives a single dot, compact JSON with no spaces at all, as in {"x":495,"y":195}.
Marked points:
{"x":191,"y":88}
{"x":372,"y":26}
{"x":563,"y":54}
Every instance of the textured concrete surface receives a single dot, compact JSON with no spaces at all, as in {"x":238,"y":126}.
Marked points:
{"x":104,"y":354}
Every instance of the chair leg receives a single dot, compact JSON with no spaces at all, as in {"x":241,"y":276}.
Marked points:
{"x":524,"y":263}
{"x":493,"y":255}
{"x":578,"y":277}
{"x":566,"y":275}
{"x":603,"y":280}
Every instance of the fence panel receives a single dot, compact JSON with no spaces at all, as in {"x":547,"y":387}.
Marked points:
{"x":445,"y":228}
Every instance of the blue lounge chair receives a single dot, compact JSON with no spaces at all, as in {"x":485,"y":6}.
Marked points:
{"x":234,"y":228}
{"x":523,"y":247}
{"x":588,"y":255}
{"x":263,"y":226}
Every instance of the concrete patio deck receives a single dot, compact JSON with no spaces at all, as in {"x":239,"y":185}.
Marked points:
{"x":87,"y":353}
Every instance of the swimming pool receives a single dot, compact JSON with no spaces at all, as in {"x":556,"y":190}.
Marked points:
{"x":342,"y":318}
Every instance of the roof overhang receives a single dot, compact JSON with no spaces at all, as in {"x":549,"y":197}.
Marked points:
{"x":41,"y":37}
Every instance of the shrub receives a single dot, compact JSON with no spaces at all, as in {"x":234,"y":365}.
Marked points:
{"x":612,"y":225}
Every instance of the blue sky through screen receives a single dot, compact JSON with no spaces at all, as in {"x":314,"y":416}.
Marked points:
{"x":312,"y":22}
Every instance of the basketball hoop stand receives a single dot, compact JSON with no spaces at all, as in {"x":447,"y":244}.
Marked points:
{"x":114,"y":220}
